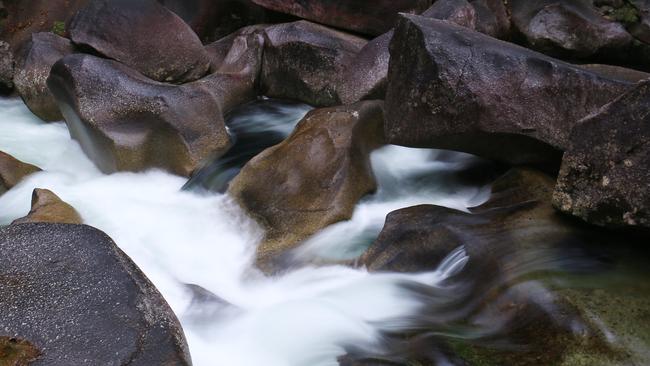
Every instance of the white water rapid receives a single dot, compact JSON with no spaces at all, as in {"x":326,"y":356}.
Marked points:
{"x":301,"y":318}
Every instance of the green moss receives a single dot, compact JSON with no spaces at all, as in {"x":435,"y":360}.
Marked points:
{"x":627,"y":14}
{"x":58,"y":28}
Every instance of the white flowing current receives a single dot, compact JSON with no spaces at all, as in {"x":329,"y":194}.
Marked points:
{"x":300,"y":318}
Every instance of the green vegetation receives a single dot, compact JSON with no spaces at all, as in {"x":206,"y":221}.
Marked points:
{"x":58,"y":28}
{"x":626,"y":14}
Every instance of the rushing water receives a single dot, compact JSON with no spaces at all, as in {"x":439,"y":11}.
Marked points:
{"x":183,"y":239}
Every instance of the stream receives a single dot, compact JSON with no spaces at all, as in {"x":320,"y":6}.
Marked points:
{"x":197,"y":246}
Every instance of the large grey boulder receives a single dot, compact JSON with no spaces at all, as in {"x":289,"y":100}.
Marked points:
{"x":573,"y":28}
{"x":37,"y":56}
{"x":79,"y":300}
{"x":143,"y":35}
{"x":125,"y":121}
{"x":304,"y":61}
{"x":6,"y":68}
{"x":453,"y":88}
{"x":604,"y":178}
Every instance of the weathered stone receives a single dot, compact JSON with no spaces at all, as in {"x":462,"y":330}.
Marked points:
{"x":304,"y":61}
{"x":218,"y":50}
{"x":235,"y":80}
{"x":370,"y":17}
{"x":641,"y":28}
{"x":460,"y":12}
{"x":312,"y":179}
{"x":6,"y":68}
{"x":33,"y":16}
{"x":34,"y":65}
{"x":17,"y":352}
{"x":125,"y":121}
{"x":453,"y":88}
{"x":12,"y":171}
{"x":569,"y":27}
{"x":143,"y":35}
{"x":200,"y":15}
{"x":604,"y":177}
{"x":48,"y":207}
{"x":365,"y":76}
{"x":617,"y":72}
{"x":76,"y":297}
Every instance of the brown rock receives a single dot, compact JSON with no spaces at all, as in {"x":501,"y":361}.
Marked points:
{"x":6,"y":68}
{"x":143,"y":35}
{"x":34,"y":16}
{"x":365,"y":76}
{"x":218,"y":50}
{"x":572,"y":28}
{"x":453,"y":88}
{"x":38,"y":55}
{"x":17,"y":352}
{"x":604,"y":177}
{"x":12,"y":171}
{"x":304,"y":61}
{"x":125,"y":121}
{"x":370,"y":17}
{"x":312,"y":179}
{"x":48,"y":207}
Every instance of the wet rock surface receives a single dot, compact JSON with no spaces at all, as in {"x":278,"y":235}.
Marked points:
{"x":472,"y":93}
{"x":125,"y":121}
{"x":514,"y":287}
{"x":304,"y":61}
{"x":37,"y":56}
{"x":6,"y":68}
{"x":143,"y":35}
{"x":91,"y":307}
{"x":12,"y":171}
{"x":48,"y":207}
{"x":312,"y":179}
{"x":604,"y":175}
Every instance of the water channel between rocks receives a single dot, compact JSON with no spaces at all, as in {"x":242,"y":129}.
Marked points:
{"x":191,"y":240}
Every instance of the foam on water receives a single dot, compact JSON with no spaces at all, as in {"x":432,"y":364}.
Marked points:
{"x":303,"y":317}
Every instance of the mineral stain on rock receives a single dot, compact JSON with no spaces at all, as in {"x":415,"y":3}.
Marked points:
{"x":17,"y":352}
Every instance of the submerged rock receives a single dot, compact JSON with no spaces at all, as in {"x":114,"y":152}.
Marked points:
{"x":604,"y":178}
{"x":38,"y":55}
{"x":125,"y":121}
{"x":312,"y":179}
{"x":143,"y":35}
{"x":93,"y":305}
{"x":519,"y":250}
{"x":12,"y":171}
{"x":48,"y":207}
{"x":6,"y":68}
{"x":304,"y":61}
{"x":453,"y":88}
{"x":370,"y":17}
